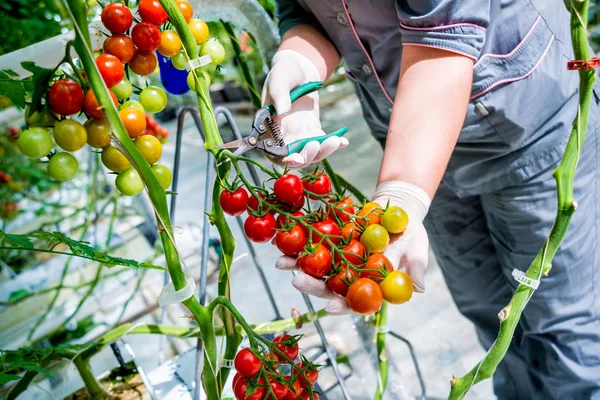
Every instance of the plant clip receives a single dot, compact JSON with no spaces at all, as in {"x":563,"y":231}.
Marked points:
{"x":198,"y":62}
{"x":168,"y":295}
{"x":525,"y":280}
{"x":382,"y":329}
{"x":576,"y":65}
{"x":226,"y":363}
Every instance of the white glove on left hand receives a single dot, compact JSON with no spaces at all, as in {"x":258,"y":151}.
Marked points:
{"x":409,"y":250}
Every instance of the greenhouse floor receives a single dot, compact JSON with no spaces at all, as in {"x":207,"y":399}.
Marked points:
{"x":445,"y":342}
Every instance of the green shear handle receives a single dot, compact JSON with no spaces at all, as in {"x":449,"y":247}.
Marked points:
{"x":295,"y":94}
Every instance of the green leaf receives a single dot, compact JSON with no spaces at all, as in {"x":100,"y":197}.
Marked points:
{"x":18,"y":240}
{"x":40,"y":80}
{"x":9,"y":73}
{"x":18,"y":295}
{"x":14,"y":90}
{"x":5,"y":378}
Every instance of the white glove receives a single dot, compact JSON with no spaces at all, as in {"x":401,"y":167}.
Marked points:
{"x":298,"y":120}
{"x":409,"y":250}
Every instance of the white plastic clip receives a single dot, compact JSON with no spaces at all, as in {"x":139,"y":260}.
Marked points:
{"x":198,"y":62}
{"x":226,"y":363}
{"x":525,"y":280}
{"x":171,"y":296}
{"x":382,"y":329}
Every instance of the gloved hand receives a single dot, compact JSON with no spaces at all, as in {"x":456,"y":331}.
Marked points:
{"x":300,"y":119}
{"x":409,"y":250}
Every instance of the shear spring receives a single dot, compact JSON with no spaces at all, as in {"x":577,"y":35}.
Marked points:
{"x":275,"y":132}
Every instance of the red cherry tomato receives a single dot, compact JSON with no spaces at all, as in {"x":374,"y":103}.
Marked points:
{"x":357,"y":253}
{"x":364,"y":296}
{"x":311,"y":374}
{"x":317,"y":264}
{"x":279,"y":390}
{"x":143,"y":63}
{"x":253,"y":204}
{"x":318,"y":184}
{"x":120,"y":46}
{"x":284,"y":220}
{"x":326,"y":227}
{"x":347,"y":206}
{"x":294,"y":389}
{"x":146,"y":36}
{"x":307,"y":396}
{"x":246,"y":363}
{"x":291,"y":242}
{"x":288,"y":188}
{"x":340,"y":282}
{"x":65,"y":97}
{"x":116,"y":17}
{"x":260,"y":229}
{"x":111,"y":69}
{"x":234,"y":203}
{"x":376,"y":267}
{"x":152,"y":11}
{"x":91,"y":106}
{"x":241,"y":387}
{"x":290,"y":350}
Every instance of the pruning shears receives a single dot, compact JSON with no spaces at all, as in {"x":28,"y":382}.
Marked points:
{"x":275,"y":145}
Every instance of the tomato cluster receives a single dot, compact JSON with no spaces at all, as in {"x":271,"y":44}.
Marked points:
{"x":340,"y":243}
{"x":260,"y":375}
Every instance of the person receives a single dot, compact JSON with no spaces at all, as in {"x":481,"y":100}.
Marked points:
{"x":473,"y":103}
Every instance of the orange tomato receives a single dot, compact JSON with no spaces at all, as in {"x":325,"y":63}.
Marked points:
{"x":372,"y":212}
{"x":91,"y":106}
{"x":347,"y":206}
{"x":376,"y":267}
{"x":350,"y":231}
{"x":364,"y":296}
{"x":186,"y":9}
{"x":134,"y":121}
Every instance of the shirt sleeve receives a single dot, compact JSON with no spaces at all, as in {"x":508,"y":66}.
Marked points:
{"x":291,"y":14}
{"x":454,"y":25}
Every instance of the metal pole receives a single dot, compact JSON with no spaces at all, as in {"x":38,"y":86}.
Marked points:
{"x":415,"y":362}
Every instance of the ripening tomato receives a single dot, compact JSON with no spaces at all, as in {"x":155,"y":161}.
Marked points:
{"x":65,"y":97}
{"x":354,"y":252}
{"x":279,"y":389}
{"x":199,"y":30}
{"x":133,"y":120}
{"x":143,"y":63}
{"x":364,"y":296}
{"x":116,"y":17}
{"x":340,"y":282}
{"x":149,"y":147}
{"x":111,"y":69}
{"x":376,"y":268}
{"x":311,"y":374}
{"x":294,"y":388}
{"x":288,"y":188}
{"x":326,"y":227}
{"x":114,"y":160}
{"x":120,"y":46}
{"x":289,"y":349}
{"x":247,"y":363}
{"x":316,"y":263}
{"x":317,"y":183}
{"x":234,"y":203}
{"x":170,"y":43}
{"x":241,"y":388}
{"x":146,"y":36}
{"x":186,"y":9}
{"x":153,"y":12}
{"x":291,"y":242}
{"x":260,"y":229}
{"x":70,"y":135}
{"x":98,"y":133}
{"x":350,"y":231}
{"x":375,"y":238}
{"x":394,"y":219}
{"x":397,"y":287}
{"x":91,"y":106}
{"x":347,"y":205}
{"x":369,"y":214}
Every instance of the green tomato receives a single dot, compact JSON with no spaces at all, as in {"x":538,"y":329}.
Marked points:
{"x":215,"y":50}
{"x":129,"y":182}
{"x":35,"y":142}
{"x":179,"y":60}
{"x":375,"y":238}
{"x":133,"y":104}
{"x":123,"y":89}
{"x":163,"y":175}
{"x":70,"y":135}
{"x":63,"y":167}
{"x":192,"y":83}
{"x":153,"y":99}
{"x":394,"y":219}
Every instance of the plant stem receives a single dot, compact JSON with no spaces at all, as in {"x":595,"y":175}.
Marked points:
{"x":382,"y":356}
{"x":564,"y":175}
{"x":94,"y":388}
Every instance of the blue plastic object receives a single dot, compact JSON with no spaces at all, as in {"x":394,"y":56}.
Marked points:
{"x":174,"y":80}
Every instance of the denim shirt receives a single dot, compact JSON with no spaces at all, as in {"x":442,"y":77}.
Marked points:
{"x":523,"y":99}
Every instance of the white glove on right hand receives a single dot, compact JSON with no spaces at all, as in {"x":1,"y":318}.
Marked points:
{"x":298,"y":120}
